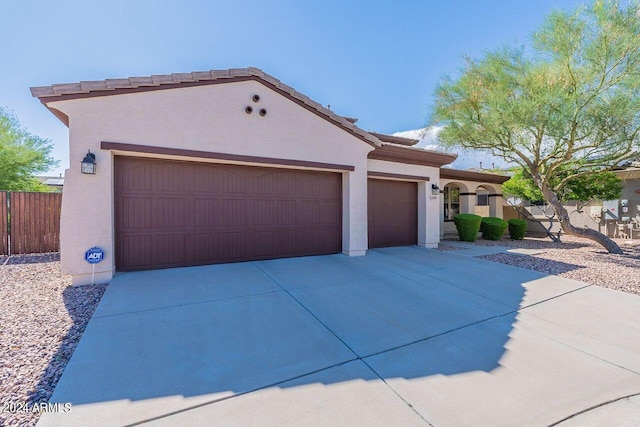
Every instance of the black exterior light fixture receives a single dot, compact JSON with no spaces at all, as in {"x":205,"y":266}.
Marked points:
{"x":88,"y":164}
{"x":435,"y":190}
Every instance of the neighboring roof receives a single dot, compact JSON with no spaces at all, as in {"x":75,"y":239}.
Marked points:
{"x":56,"y":182}
{"x":412,"y":155}
{"x":88,"y":89}
{"x":467,"y":175}
{"x":628,"y":173}
{"x":395,"y":139}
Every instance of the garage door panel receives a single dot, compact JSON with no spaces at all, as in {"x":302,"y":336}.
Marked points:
{"x":275,"y":243}
{"x":171,"y":178}
{"x":222,"y":213}
{"x":206,"y":179}
{"x":232,"y":182}
{"x":232,"y":212}
{"x":270,"y":212}
{"x":135,"y":212}
{"x":168,"y":250}
{"x":206,"y":213}
{"x":222,"y":246}
{"x":139,"y":253}
{"x":136,"y":176}
{"x":392,"y":213}
{"x":169,"y":212}
{"x":233,"y":246}
{"x":310,"y":239}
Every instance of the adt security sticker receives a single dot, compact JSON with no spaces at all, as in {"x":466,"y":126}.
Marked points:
{"x":94,"y":255}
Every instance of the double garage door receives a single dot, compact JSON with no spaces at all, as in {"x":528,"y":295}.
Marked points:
{"x":173,"y":214}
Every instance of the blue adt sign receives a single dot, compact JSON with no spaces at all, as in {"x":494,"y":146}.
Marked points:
{"x":94,"y":255}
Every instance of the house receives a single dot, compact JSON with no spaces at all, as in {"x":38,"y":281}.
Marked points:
{"x":56,"y":183}
{"x":615,"y":218}
{"x":469,"y":191}
{"x":230,"y":165}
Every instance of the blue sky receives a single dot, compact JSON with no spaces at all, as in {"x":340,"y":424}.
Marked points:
{"x":377,"y":61}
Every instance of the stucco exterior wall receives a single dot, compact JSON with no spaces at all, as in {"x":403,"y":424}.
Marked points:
{"x":468,"y":191}
{"x":428,"y":204}
{"x":205,"y":118}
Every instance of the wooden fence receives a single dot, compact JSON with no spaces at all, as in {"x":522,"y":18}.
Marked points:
{"x":29,"y":222}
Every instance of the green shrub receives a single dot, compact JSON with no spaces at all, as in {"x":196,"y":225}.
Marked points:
{"x":517,"y":228}
{"x":468,"y":226}
{"x":493,"y":228}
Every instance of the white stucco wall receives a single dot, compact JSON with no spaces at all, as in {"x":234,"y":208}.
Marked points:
{"x":428,"y":204}
{"x":205,"y":118}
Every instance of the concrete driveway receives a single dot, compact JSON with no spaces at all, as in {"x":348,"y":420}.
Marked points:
{"x":403,"y":336}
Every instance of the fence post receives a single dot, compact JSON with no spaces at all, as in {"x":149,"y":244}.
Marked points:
{"x":4,"y":223}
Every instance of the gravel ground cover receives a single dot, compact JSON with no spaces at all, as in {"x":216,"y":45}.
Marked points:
{"x":445,"y":247}
{"x":42,"y":319}
{"x":578,"y":259}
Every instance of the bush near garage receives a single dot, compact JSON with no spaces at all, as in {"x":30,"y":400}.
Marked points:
{"x":493,"y":228}
{"x":517,"y":228}
{"x":468,"y":226}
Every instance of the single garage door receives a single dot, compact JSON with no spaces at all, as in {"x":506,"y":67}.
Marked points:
{"x":174,"y":214}
{"x":393,"y":213}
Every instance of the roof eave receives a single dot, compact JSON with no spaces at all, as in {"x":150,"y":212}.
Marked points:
{"x":413,"y":156}
{"x":450,"y":173}
{"x":109,"y":87}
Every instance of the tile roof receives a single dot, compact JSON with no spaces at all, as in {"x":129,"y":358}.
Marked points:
{"x":388,"y":147}
{"x":395,"y":139}
{"x":59,"y":92}
{"x":470,"y":175}
{"x":411,"y":155}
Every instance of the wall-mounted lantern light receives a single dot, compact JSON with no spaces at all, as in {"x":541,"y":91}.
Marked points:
{"x":88,"y":164}
{"x":435,"y":190}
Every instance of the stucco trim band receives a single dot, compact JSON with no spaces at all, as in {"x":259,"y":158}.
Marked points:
{"x":397,"y":176}
{"x":149,"y":149}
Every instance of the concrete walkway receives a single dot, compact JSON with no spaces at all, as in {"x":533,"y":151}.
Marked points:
{"x":470,"y":249}
{"x":403,"y":336}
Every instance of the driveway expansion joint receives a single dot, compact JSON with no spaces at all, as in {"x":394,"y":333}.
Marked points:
{"x":186,"y":304}
{"x":600,"y":405}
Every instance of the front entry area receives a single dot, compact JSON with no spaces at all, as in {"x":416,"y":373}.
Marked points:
{"x":392,"y":213}
{"x":175,"y":213}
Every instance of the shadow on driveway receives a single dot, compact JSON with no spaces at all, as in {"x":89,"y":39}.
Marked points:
{"x":431,"y":324}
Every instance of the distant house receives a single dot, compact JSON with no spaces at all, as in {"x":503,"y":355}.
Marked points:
{"x":616,"y":218}
{"x":55,"y":182}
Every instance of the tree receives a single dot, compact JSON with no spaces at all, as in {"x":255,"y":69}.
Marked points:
{"x":601,"y":185}
{"x":568,"y":108}
{"x":21,"y":155}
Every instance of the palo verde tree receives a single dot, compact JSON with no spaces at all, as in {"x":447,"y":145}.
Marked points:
{"x":568,"y":107}
{"x":22,"y":155}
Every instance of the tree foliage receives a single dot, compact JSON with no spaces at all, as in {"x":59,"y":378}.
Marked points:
{"x":600,"y":185}
{"x":569,"y":107}
{"x":22,"y":155}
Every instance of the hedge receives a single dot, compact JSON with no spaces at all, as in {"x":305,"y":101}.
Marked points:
{"x":468,"y":226}
{"x":517,"y":228}
{"x":493,"y":228}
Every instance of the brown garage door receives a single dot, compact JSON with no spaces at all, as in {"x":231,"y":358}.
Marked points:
{"x":172,"y":214}
{"x":393,"y":213}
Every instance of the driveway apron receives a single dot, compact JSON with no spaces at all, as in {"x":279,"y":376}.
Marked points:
{"x":404,"y":336}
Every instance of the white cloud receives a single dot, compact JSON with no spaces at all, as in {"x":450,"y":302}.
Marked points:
{"x":466,"y":158}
